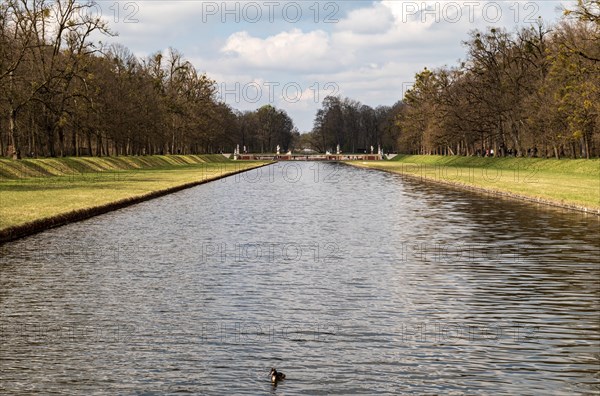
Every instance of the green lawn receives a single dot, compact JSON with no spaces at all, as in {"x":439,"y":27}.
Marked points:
{"x":29,"y":191}
{"x":564,"y":182}
{"x":45,"y":167}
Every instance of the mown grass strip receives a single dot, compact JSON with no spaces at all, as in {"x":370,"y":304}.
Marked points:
{"x":44,"y":167}
{"x":573,"y":184}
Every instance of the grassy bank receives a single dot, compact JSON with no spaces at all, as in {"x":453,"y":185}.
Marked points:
{"x":47,"y":167}
{"x":42,"y":193}
{"x":568,"y":183}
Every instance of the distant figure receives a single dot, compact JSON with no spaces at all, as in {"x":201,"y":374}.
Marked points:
{"x":276,"y":376}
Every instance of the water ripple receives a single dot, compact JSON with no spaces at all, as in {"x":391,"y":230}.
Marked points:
{"x":357,"y":283}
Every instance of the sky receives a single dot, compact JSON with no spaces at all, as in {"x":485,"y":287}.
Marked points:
{"x":291,"y":54}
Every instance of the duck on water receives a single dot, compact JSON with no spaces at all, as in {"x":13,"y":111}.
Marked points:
{"x":276,"y":376}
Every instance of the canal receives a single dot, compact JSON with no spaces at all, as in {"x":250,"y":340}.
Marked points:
{"x":347,"y":280}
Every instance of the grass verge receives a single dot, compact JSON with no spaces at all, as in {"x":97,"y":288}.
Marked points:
{"x":68,"y":192}
{"x":573,"y":184}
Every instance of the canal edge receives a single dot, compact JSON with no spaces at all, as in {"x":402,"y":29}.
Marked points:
{"x":504,"y":194}
{"x":41,"y":225}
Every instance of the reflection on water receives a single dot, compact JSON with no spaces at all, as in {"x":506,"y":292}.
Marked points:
{"x":347,"y":280}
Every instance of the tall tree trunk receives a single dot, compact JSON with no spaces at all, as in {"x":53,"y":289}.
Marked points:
{"x":50,"y":139}
{"x":61,"y":140}
{"x":13,"y":134}
{"x":514,"y":134}
{"x":482,"y":145}
{"x":89,"y":143}
{"x":31,"y":137}
{"x":99,"y":145}
{"x":75,"y":143}
{"x":586,"y":147}
{"x":1,"y":146}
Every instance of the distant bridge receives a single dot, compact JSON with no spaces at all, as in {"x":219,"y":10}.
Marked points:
{"x":312,"y":157}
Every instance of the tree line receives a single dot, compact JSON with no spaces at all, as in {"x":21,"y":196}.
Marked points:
{"x":531,"y":92}
{"x":64,"y":94}
{"x":354,"y":126}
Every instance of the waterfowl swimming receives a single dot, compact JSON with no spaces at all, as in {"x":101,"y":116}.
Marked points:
{"x":276,"y":376}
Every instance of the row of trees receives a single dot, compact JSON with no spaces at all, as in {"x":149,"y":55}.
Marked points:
{"x":265,"y":129}
{"x":533,"y":92}
{"x":62,"y":94}
{"x":354,"y":126}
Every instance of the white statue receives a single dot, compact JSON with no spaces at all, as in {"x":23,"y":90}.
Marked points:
{"x":338,"y":149}
{"x":371,"y":149}
{"x":278,"y":148}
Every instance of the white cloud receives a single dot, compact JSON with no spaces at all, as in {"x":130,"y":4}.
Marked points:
{"x":291,"y":50}
{"x":372,"y":20}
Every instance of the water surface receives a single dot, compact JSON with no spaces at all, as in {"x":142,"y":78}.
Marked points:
{"x":348,"y":280}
